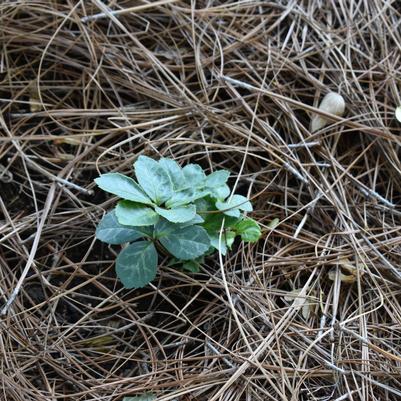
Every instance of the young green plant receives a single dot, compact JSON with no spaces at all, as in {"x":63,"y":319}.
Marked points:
{"x":179,"y":212}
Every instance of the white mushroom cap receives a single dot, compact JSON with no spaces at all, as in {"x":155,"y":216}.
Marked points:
{"x":332,"y":103}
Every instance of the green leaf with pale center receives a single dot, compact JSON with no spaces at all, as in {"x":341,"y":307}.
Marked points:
{"x":180,"y":214}
{"x":205,"y":204}
{"x":199,"y":194}
{"x":136,"y":265}
{"x":184,"y":243}
{"x":194,"y":175}
{"x":180,"y":198}
{"x":134,"y":214}
{"x":175,"y":173}
{"x":217,"y":178}
{"x":233,"y":206}
{"x":220,"y":193}
{"x":154,"y":179}
{"x":187,"y":196}
{"x":196,"y":220}
{"x":164,"y":228}
{"x":228,"y":210}
{"x":122,"y":186}
{"x":111,"y":231}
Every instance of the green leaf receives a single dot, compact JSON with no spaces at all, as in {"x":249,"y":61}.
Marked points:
{"x":136,"y":264}
{"x":180,"y":214}
{"x":248,"y":229}
{"x":242,"y":202}
{"x":122,"y":186}
{"x":228,"y":210}
{"x":213,"y":221}
{"x":227,"y":239}
{"x":233,"y":206}
{"x":205,"y":204}
{"x":221,"y":192}
{"x":194,"y":175}
{"x":134,"y":214}
{"x":187,"y":196}
{"x":196,"y":220}
{"x":145,"y":397}
{"x":191,"y":266}
{"x":184,"y":243}
{"x":180,"y":198}
{"x":175,"y":173}
{"x":112,"y":232}
{"x":154,"y":179}
{"x":217,"y":179}
{"x":216,"y":244}
{"x":273,"y":223}
{"x":199,"y":194}
{"x":164,"y":228}
{"x":230,"y":237}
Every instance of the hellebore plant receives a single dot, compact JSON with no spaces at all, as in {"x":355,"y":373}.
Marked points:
{"x":177,"y":211}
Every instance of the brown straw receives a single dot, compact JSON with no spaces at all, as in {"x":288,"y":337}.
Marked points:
{"x":310,"y":312}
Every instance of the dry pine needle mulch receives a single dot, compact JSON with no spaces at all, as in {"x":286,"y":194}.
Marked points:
{"x":310,"y":312}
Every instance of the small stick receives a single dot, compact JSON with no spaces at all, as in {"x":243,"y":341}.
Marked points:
{"x":5,"y":175}
{"x":45,"y":212}
{"x":126,"y":10}
{"x":72,"y":185}
{"x":295,"y":172}
{"x":332,"y":366}
{"x":38,"y":167}
{"x":216,"y":351}
{"x":303,"y":145}
{"x":371,"y":193}
{"x":321,"y":164}
{"x":56,"y":178}
{"x":345,"y":396}
{"x":301,"y":224}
